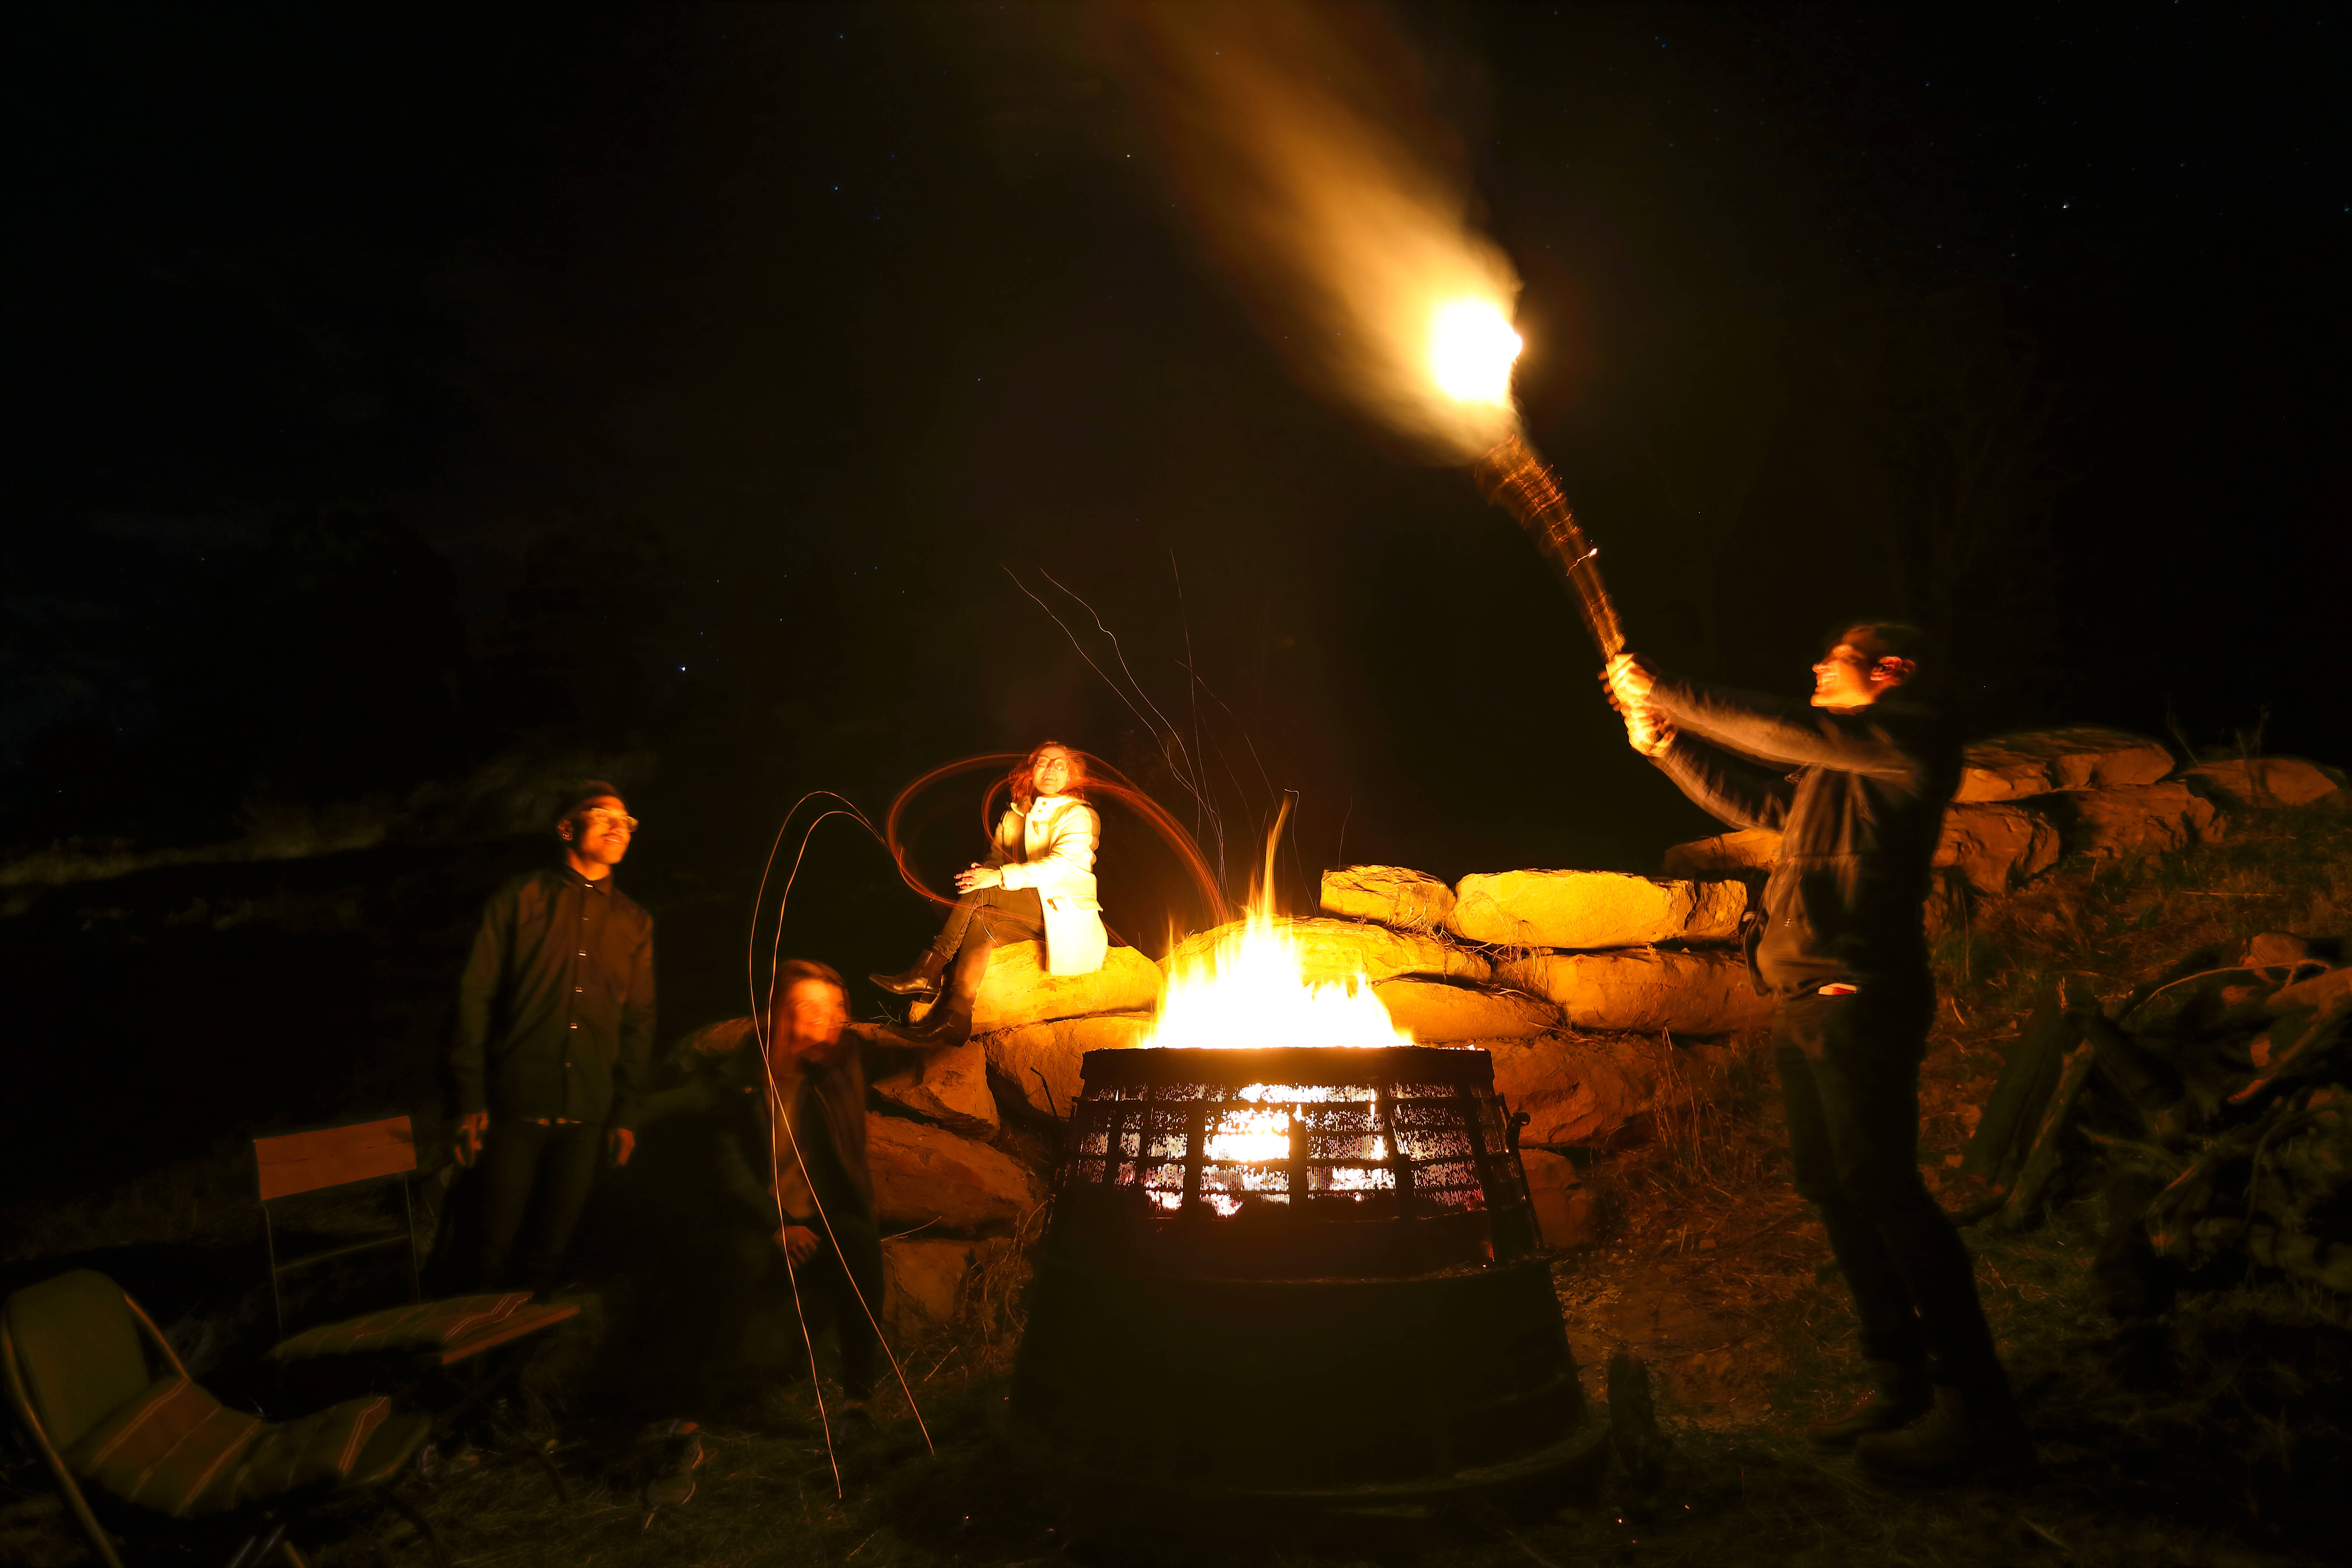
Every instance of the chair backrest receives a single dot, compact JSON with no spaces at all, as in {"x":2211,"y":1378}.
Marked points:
{"x":292,"y":1164}
{"x":333,"y":1156}
{"x":78,"y":1350}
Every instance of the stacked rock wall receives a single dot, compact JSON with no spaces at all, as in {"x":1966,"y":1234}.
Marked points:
{"x":1575,"y":983}
{"x":2027,"y":801}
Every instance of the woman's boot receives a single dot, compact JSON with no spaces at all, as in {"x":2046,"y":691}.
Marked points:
{"x":922,"y":980}
{"x":948,"y":1023}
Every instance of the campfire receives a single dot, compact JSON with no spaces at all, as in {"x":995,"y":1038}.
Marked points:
{"x":1279,"y":1202}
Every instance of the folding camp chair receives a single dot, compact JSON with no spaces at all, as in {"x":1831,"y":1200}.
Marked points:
{"x":362,"y":1153}
{"x":122,"y":1428}
{"x":447,"y":1346}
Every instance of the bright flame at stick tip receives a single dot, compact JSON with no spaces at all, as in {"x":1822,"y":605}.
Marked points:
{"x":1471,"y":351}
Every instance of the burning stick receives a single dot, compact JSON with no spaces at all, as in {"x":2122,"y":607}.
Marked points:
{"x":1472,"y":350}
{"x":1514,"y":478}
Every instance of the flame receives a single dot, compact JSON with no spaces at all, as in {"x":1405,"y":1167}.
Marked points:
{"x":1471,"y":351}
{"x":1248,"y":989}
{"x":1320,"y":178}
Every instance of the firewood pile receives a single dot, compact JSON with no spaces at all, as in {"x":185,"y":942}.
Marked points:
{"x":2211,"y":1100}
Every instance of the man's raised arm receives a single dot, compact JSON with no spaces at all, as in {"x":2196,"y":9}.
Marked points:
{"x":1763,"y":727}
{"x":1725,"y":787}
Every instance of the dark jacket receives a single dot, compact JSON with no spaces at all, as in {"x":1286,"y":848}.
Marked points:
{"x":1859,"y":820}
{"x":555,"y":1013}
{"x":710,"y":1135}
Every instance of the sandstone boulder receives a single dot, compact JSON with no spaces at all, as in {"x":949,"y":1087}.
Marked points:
{"x":1576,"y":1088}
{"x":950,"y":1087}
{"x":1593,"y":910}
{"x":1018,"y":990}
{"x":1435,"y":1013}
{"x":2041,"y":761}
{"x":926,"y":1175}
{"x":1724,"y":855}
{"x":1331,"y":952}
{"x":1564,"y":1210}
{"x":1689,"y":993}
{"x":922,"y":1283}
{"x":928,"y":1284}
{"x":1041,"y":1060}
{"x":2267,"y":781}
{"x":1995,"y":846}
{"x":1391,"y":895}
{"x":2119,"y":824}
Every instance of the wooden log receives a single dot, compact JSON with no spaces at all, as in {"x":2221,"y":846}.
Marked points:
{"x":2027,"y":1080}
{"x":2042,"y":1161}
{"x":2145,"y":1081}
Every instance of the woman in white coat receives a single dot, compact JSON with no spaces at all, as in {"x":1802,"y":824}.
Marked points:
{"x":1038,"y":881}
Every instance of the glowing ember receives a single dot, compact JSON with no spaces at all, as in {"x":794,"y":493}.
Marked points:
{"x":1250,"y":990}
{"x":1471,"y":351}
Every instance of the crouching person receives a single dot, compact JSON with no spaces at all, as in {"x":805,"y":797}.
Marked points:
{"x":764,"y":1201}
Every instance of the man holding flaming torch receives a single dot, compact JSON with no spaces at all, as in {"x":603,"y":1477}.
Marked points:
{"x":1843,"y":947}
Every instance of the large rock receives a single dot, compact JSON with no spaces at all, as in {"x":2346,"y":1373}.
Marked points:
{"x":2267,"y":781}
{"x":926,"y":1175}
{"x":1576,"y":1088}
{"x":929,"y":1284}
{"x":1018,"y":990}
{"x":1724,"y":855}
{"x":1688,"y":992}
{"x":1435,"y":1013}
{"x":1995,"y":846}
{"x":2038,"y":761}
{"x":1333,"y":951}
{"x":922,"y":1283}
{"x":950,"y":1087}
{"x":2119,"y":824}
{"x":1041,"y":1060}
{"x":1391,"y":895}
{"x":1564,"y":1209}
{"x":1593,"y":910}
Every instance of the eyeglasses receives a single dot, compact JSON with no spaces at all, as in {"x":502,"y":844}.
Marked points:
{"x":612,"y":821}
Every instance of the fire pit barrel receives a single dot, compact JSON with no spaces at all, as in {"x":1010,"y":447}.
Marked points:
{"x":1309,"y":1268}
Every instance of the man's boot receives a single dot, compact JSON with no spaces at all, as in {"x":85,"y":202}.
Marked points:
{"x":922,"y":980}
{"x":948,"y":1023}
{"x":1972,"y":1434}
{"x":1902,"y":1395}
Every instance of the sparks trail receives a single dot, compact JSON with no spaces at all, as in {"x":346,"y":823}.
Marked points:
{"x":1102,"y":780}
{"x":1182,"y":761}
{"x":778,"y":1120}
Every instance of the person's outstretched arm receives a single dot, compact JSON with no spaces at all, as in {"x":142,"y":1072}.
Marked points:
{"x":1726,"y":787}
{"x":1774,"y":731}
{"x":1766,"y":728}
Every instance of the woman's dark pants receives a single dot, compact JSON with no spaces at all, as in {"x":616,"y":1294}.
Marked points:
{"x":1850,"y":1072}
{"x":1006,"y":914}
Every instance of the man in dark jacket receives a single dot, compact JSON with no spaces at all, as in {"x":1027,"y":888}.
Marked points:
{"x":1856,"y":790}
{"x":765,"y":1197}
{"x":555,"y":1020}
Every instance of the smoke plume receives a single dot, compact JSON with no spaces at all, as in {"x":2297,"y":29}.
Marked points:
{"x":1303,"y":150}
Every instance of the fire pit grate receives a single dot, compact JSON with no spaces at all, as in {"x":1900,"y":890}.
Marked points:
{"x":1343,"y":1231}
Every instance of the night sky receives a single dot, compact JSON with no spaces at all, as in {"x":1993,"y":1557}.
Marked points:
{"x":406,"y":408}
